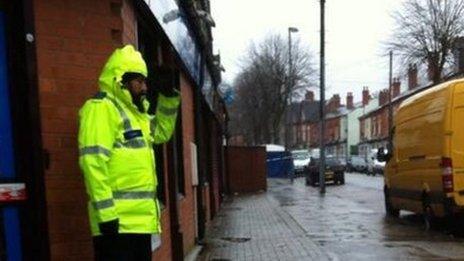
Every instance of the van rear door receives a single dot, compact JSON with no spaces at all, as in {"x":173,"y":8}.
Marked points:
{"x":457,"y":142}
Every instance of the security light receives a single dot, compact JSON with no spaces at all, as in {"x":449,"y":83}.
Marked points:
{"x":293,"y":29}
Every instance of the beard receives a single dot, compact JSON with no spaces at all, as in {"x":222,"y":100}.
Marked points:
{"x":137,"y":100}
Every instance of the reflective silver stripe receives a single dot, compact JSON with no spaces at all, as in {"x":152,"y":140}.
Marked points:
{"x":94,"y":150}
{"x":107,"y":203}
{"x":158,"y":209}
{"x":125,"y":118}
{"x":133,"y":144}
{"x":134,"y":194}
{"x":167,"y":111}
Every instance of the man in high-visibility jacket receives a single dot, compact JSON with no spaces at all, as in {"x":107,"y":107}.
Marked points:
{"x":115,"y":154}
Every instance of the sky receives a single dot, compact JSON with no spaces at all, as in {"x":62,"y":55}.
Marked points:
{"x":355,"y":33}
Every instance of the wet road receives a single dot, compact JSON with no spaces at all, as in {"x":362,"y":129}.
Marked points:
{"x":349,"y":222}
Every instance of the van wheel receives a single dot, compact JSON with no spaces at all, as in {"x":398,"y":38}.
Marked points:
{"x":428,"y":214}
{"x":392,"y":212}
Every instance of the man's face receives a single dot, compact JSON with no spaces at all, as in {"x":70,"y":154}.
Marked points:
{"x":137,"y":87}
{"x":138,"y":90}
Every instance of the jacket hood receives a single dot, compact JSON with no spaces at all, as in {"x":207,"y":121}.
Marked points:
{"x":123,"y":60}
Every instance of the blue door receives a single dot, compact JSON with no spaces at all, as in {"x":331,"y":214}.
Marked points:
{"x":11,"y":190}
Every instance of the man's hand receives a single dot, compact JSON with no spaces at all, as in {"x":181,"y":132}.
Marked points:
{"x":165,"y":81}
{"x":110,"y":227}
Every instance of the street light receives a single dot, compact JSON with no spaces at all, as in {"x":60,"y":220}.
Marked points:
{"x":289,"y":82}
{"x":322,"y":104}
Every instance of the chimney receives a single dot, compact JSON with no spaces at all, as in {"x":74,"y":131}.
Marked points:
{"x":309,"y":96}
{"x":383,"y":97}
{"x":333,"y":103}
{"x":412,"y":76}
{"x":396,"y":87}
{"x":336,"y":101}
{"x":349,"y":101}
{"x":365,"y":96}
{"x":432,"y":61}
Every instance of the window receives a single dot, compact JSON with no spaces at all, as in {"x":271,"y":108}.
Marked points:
{"x":149,"y":45}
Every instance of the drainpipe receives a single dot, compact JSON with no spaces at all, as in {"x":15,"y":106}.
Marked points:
{"x":200,"y":157}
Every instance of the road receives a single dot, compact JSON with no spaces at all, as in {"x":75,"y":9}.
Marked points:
{"x":294,"y":222}
{"x":349,"y":222}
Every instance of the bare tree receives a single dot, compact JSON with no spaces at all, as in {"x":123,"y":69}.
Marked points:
{"x":264,"y":87}
{"x":425,"y":33}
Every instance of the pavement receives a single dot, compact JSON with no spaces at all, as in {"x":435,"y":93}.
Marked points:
{"x":294,"y":222}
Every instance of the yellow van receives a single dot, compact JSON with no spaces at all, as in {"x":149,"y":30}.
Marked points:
{"x":425,"y":168}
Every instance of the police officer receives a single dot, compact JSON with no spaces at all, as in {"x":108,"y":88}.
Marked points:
{"x":116,"y":157}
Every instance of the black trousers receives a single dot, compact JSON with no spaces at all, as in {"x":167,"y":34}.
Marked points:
{"x":122,"y":247}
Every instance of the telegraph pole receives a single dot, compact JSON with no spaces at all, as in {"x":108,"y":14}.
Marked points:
{"x":321,"y":104}
{"x":390,"y":107}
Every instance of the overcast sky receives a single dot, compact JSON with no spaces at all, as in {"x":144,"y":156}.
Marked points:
{"x":355,"y":31}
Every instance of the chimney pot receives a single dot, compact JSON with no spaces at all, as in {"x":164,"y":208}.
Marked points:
{"x":365,"y":95}
{"x":396,"y":88}
{"x":309,"y":96}
{"x":412,"y":76}
{"x":349,"y":101}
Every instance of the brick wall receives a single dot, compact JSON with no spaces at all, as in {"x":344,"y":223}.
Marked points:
{"x":314,"y":134}
{"x":74,"y":38}
{"x":164,"y":251}
{"x":129,"y":23}
{"x":186,"y":206}
{"x":332,"y":132}
{"x":332,"y":129}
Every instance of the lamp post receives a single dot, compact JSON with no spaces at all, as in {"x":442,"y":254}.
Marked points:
{"x":321,"y":104}
{"x":288,"y":136}
{"x":390,"y":106}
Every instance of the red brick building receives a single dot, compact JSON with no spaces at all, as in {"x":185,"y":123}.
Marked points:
{"x":335,"y":138}
{"x":302,"y":118}
{"x":59,"y":49}
{"x":374,"y":126}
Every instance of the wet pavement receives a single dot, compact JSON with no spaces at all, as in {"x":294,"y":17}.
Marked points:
{"x":294,"y":222}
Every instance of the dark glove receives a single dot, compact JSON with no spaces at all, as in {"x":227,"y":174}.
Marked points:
{"x":110,"y":227}
{"x":166,"y":80}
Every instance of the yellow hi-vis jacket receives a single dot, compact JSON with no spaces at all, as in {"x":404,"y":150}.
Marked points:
{"x":115,"y":149}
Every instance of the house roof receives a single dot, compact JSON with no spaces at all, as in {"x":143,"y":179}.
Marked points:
{"x":341,"y":111}
{"x":408,"y":94}
{"x":305,"y":111}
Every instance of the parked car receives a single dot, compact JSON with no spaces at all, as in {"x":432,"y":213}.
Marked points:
{"x":424,"y":168}
{"x":374,"y":166}
{"x":301,"y":159}
{"x":334,"y":171}
{"x":357,"y":164}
